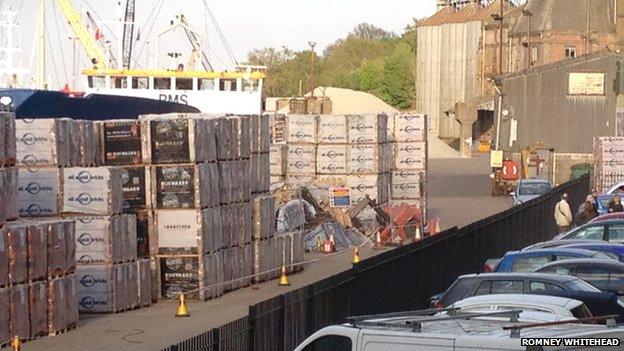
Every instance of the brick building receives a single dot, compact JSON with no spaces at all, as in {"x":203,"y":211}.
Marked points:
{"x":458,"y":50}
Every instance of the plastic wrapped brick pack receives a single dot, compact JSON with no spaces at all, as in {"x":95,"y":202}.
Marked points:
{"x":57,"y":305}
{"x":4,"y":317}
{"x":56,"y":248}
{"x":9,"y":206}
{"x":92,"y":191}
{"x":129,"y":233}
{"x":98,"y":239}
{"x":211,"y":230}
{"x":301,"y":129}
{"x":18,"y":253}
{"x":134,"y":188}
{"x":95,"y":288}
{"x":4,"y":257}
{"x":38,"y":308}
{"x":45,"y":142}
{"x":144,"y":282}
{"x":243,"y":137}
{"x":332,"y":129}
{"x":69,"y":230}
{"x":174,"y":139}
{"x":71,"y":300}
{"x":39,"y":192}
{"x":121,"y":140}
{"x":132,"y":279}
{"x":367,"y":128}
{"x":212,"y":287}
{"x":18,"y":311}
{"x":182,"y":186}
{"x":37,"y":251}
{"x":8,"y":142}
{"x":120,"y":284}
{"x":265,"y":133}
{"x":227,"y":182}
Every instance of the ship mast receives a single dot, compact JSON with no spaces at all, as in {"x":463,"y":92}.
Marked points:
{"x":41,"y":64}
{"x":11,"y":76}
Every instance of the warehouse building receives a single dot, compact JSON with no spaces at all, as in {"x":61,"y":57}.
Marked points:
{"x":564,"y":105}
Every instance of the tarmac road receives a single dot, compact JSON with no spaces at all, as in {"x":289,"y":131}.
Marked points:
{"x":458,"y":194}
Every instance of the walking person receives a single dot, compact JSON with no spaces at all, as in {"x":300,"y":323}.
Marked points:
{"x":587,"y":214}
{"x":563,"y":214}
{"x":616,"y":205}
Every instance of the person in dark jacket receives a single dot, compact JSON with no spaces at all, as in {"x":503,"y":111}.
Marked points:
{"x":616,"y":205}
{"x":587,"y":214}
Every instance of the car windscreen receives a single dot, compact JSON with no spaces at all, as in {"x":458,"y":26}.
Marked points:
{"x":531,"y":189}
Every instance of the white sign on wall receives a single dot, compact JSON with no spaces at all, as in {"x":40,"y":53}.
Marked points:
{"x":586,"y":84}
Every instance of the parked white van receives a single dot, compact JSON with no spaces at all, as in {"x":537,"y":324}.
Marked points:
{"x":460,"y":331}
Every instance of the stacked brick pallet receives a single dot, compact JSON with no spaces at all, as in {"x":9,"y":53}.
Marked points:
{"x":184,"y":200}
{"x":338,"y":150}
{"x":207,"y":184}
{"x":37,"y":257}
{"x":609,"y":162}
{"x":60,"y":174}
{"x":408,"y":134}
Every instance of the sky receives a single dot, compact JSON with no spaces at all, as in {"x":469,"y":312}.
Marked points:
{"x":246,"y":24}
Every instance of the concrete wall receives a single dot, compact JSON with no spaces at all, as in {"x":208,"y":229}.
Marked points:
{"x":446,"y":72}
{"x":538,"y":100}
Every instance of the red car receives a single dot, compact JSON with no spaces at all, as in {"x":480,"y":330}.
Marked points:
{"x":608,"y":216}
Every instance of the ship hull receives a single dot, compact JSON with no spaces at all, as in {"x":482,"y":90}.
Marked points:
{"x":28,"y":103}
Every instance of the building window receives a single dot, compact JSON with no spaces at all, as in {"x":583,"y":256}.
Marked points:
{"x":570,"y":52}
{"x":534,"y":54}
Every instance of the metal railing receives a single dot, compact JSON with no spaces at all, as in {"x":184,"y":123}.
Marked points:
{"x":402,"y":279}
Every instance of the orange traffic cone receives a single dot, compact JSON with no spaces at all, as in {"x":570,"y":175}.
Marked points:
{"x":182,"y":311}
{"x":356,"y":256}
{"x":284,"y":278}
{"x":16,"y":343}
{"x":378,"y":245}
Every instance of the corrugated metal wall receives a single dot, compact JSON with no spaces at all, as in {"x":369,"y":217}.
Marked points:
{"x":538,"y":99}
{"x":446,"y":72}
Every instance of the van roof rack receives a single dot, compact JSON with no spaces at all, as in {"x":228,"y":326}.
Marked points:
{"x":416,"y":324}
{"x":414,"y":313}
{"x":516,"y":329}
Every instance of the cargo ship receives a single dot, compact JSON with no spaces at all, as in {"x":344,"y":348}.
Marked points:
{"x":113,"y":90}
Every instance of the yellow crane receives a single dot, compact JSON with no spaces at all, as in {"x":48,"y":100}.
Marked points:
{"x":93,"y":51}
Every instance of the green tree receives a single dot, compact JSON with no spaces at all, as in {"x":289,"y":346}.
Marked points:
{"x":397,"y":86}
{"x":368,"y":59}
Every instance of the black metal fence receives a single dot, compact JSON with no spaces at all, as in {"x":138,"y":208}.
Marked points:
{"x":400,"y":279}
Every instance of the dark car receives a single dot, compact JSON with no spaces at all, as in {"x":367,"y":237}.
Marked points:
{"x":558,"y":243}
{"x":613,"y":250}
{"x":508,"y":283}
{"x":606,"y":275}
{"x":612,"y":230}
{"x":608,"y":217}
{"x":528,"y":261}
{"x":531,"y":283}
